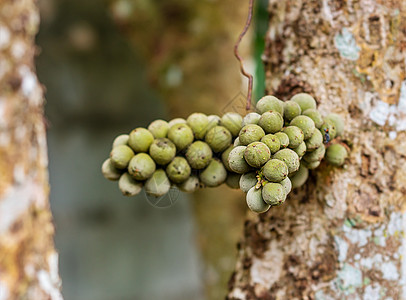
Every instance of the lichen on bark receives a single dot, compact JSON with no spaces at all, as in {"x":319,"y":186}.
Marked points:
{"x":28,"y":260}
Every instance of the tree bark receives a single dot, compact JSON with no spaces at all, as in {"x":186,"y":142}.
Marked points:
{"x":341,"y":236}
{"x":28,"y":260}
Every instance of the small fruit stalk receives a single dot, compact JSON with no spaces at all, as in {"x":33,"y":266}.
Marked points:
{"x":265,"y":154}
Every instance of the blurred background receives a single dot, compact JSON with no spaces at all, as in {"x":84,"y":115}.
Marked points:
{"x":111,"y":66}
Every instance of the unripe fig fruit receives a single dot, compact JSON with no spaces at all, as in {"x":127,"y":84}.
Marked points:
{"x":314,"y":114}
{"x":295,"y":135}
{"x":304,"y":100}
{"x":247,"y":181}
{"x":218,"y":138}
{"x":158,"y":184}
{"x":283,"y":139}
{"x":287,"y":184}
{"x":311,"y":165}
{"x":338,"y":123}
{"x":120,"y":156}
{"x":190,"y":185}
{"x":316,"y":155}
{"x":198,"y":122}
{"x":178,"y":170}
{"x":255,"y":201}
{"x":181,"y":135}
{"x":275,"y":170}
{"x":315,"y":141}
{"x":250,"y":133}
{"x":336,"y":154}
{"x":328,"y":130}
{"x":257,"y":154}
{"x":176,"y":121}
{"x":268,"y":103}
{"x":214,"y":175}
{"x":224,"y":158}
{"x":273,"y":194}
{"x":140,"y":139}
{"x":129,"y":186}
{"x":301,"y":149}
{"x":291,"y":110}
{"x":237,"y":142}
{"x":122,"y":139}
{"x":290,"y":158}
{"x":273,"y":142}
{"x":109,"y":171}
{"x":162,"y":151}
{"x":305,"y":124}
{"x":300,"y":177}
{"x":199,"y":155}
{"x":237,"y":162}
{"x":271,"y":121}
{"x":233,"y":122}
{"x":251,"y":118}
{"x":141,"y":166}
{"x":214,"y":120}
{"x":233,"y":180}
{"x":159,"y":128}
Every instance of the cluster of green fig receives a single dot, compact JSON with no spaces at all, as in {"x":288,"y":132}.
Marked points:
{"x":182,"y":153}
{"x":265,"y":154}
{"x":279,"y":144}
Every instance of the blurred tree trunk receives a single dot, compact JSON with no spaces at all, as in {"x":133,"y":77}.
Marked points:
{"x":28,"y":260}
{"x":342,"y":235}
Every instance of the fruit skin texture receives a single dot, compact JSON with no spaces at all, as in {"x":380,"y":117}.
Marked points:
{"x":224,"y":158}
{"x":159,"y":128}
{"x":190,"y":185}
{"x":109,"y":171}
{"x":140,"y":139}
{"x":251,"y":118}
{"x":214,"y":175}
{"x":247,"y":181}
{"x":178,"y":170}
{"x":328,"y":130}
{"x":255,"y":201}
{"x":273,"y":193}
{"x":256,"y":154}
{"x":338,"y":122}
{"x":301,"y":149}
{"x":250,"y":133}
{"x":290,"y":158}
{"x":268,"y":103}
{"x":199,"y":155}
{"x":162,"y":151}
{"x":275,"y":170}
{"x":198,"y":122}
{"x":176,"y":121}
{"x":305,"y":124}
{"x":181,"y":135}
{"x":295,"y":135}
{"x":122,"y":139}
{"x":141,"y":166}
{"x":300,"y":177}
{"x":272,"y":141}
{"x":316,"y":155}
{"x":287,"y":184}
{"x":129,"y":186}
{"x":237,"y":142}
{"x":233,"y":122}
{"x":315,"y":141}
{"x":336,"y":154}
{"x":311,"y":165}
{"x":304,"y":100}
{"x":283,"y":139}
{"x":233,"y":180}
{"x":237,"y":162}
{"x":120,"y":156}
{"x":214,"y":120}
{"x":158,"y":184}
{"x":218,"y":138}
{"x":314,"y":114}
{"x":271,"y":121}
{"x":291,"y":110}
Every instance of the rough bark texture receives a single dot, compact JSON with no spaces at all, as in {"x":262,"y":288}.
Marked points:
{"x":342,"y":235}
{"x":28,"y":261}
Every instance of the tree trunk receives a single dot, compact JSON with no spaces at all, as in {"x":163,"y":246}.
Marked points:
{"x":341,"y":236}
{"x":28,"y":260}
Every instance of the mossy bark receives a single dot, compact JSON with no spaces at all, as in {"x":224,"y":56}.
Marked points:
{"x":341,"y":236}
{"x":28,"y":260}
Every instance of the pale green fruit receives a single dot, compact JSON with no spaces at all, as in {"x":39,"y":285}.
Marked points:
{"x":268,"y":103}
{"x":304,"y":100}
{"x":247,"y":181}
{"x":199,"y":155}
{"x":129,"y":186}
{"x":273,"y":194}
{"x":328,"y":130}
{"x":224,"y":157}
{"x":250,"y":133}
{"x":181,"y":135}
{"x":162,"y":151}
{"x":141,"y":166}
{"x":237,"y":162}
{"x":214,"y":120}
{"x":214,"y":175}
{"x":338,"y":123}
{"x":299,"y":177}
{"x":233,"y":122}
{"x":301,"y":149}
{"x":290,"y":158}
{"x":255,"y":201}
{"x":257,"y":154}
{"x":158,"y":184}
{"x":190,"y":185}
{"x":275,"y":170}
{"x":237,"y":142}
{"x":178,"y":170}
{"x":314,"y":114}
{"x":159,"y":128}
{"x":176,"y":121}
{"x":109,"y":171}
{"x":295,"y":135}
{"x":316,"y":155}
{"x":287,"y":184}
{"x":120,"y":156}
{"x":336,"y":154}
{"x":272,"y":142}
{"x":218,"y":138}
{"x":311,"y":165}
{"x":251,"y":118}
{"x":283,"y":139}
{"x":198,"y":122}
{"x":291,"y":110}
{"x":315,"y":141}
{"x":233,"y":180}
{"x":271,"y":121}
{"x":121,"y":140}
{"x":305,"y":124}
{"x":140,"y":139}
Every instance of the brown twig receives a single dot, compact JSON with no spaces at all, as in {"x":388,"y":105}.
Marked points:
{"x":249,"y":76}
